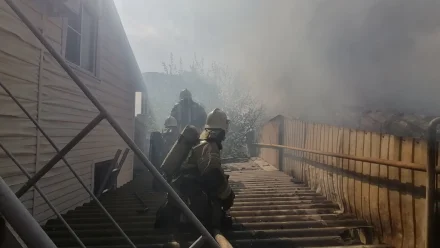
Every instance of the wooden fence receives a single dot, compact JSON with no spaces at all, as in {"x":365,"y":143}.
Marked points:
{"x":391,"y":199}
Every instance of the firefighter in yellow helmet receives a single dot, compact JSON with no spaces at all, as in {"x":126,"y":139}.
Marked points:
{"x":201,"y":182}
{"x":188,"y":112}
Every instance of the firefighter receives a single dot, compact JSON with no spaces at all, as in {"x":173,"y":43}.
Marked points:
{"x":188,"y":112}
{"x":169,"y":134}
{"x":201,"y":181}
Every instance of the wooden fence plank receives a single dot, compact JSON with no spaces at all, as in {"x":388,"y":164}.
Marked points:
{"x":407,"y":217}
{"x":358,"y":171}
{"x":366,"y":172}
{"x":384,"y":207}
{"x":420,"y":156}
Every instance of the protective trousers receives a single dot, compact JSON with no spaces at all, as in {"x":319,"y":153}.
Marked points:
{"x":207,"y":209}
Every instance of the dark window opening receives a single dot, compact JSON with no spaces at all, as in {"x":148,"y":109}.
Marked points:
{"x":81,"y":39}
{"x":101,"y":170}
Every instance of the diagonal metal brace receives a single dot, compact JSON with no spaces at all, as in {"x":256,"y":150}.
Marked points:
{"x":59,"y":155}
{"x":21,"y":220}
{"x":103,"y":111}
{"x":109,"y":173}
{"x":9,"y":154}
{"x":67,"y":164}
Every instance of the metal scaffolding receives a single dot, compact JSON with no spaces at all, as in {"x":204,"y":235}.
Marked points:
{"x":24,"y":223}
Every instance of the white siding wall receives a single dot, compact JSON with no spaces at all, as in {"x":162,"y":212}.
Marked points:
{"x":62,"y":109}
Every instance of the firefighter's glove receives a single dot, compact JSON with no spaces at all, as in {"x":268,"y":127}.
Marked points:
{"x":228,"y":202}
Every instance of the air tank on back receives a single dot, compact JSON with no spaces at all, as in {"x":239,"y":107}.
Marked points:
{"x":178,"y":153}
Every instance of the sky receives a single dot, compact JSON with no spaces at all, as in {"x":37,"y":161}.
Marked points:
{"x":156,"y":28}
{"x":302,"y":57}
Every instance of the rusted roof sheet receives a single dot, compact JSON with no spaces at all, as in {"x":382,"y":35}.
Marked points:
{"x":270,"y":210}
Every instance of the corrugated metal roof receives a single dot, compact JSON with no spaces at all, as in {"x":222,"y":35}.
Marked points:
{"x":270,"y":210}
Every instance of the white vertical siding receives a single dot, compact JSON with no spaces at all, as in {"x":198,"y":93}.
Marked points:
{"x":63,"y":110}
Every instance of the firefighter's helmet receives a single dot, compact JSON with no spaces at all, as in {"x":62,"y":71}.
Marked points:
{"x":185,"y":95}
{"x":170,"y":122}
{"x":217,"y":119}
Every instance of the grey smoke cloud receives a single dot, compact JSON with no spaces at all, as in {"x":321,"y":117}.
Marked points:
{"x":307,"y":58}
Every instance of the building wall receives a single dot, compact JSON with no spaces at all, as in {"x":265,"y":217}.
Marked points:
{"x":34,"y":76}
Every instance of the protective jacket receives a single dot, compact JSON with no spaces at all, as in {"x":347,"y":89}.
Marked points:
{"x":203,"y":185}
{"x":189,"y":113}
{"x":205,"y":162}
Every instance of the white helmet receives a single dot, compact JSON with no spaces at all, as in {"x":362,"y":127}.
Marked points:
{"x":170,"y":122}
{"x":217,"y":119}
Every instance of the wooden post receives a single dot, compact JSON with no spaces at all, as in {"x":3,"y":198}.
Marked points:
{"x":281,"y":142}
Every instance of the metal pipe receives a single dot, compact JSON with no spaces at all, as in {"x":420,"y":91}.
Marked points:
{"x":398,"y":164}
{"x":124,"y":157}
{"x":60,"y":155}
{"x":118,"y":169}
{"x":9,"y":154}
{"x":21,"y":220}
{"x":109,"y":172}
{"x":198,"y":243}
{"x":69,"y":166}
{"x":430,"y":184}
{"x":112,"y":122}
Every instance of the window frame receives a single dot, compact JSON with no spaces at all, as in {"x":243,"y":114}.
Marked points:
{"x":95,"y":74}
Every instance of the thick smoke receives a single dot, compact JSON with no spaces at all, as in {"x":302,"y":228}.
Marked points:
{"x":310,"y":58}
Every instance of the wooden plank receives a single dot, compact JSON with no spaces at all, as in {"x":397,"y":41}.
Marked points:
{"x":394,"y":198}
{"x":337,"y":148}
{"x":366,"y":183}
{"x":314,"y":145}
{"x":324,"y":147}
{"x":346,"y":166}
{"x":308,"y":156}
{"x":302,"y":143}
{"x":332,"y":174}
{"x":320,"y":147}
{"x":406,"y":176}
{"x":287,"y":160}
{"x":419,"y":202}
{"x":384,"y":192}
{"x":373,"y":198}
{"x":352,"y":168}
{"x":359,"y":150}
